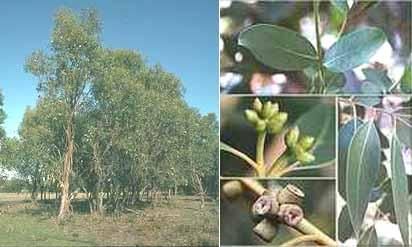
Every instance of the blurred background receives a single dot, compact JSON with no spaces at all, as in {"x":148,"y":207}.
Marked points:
{"x":314,"y":115}
{"x":236,"y":222}
{"x":241,"y":73}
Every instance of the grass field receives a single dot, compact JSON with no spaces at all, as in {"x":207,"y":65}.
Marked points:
{"x":175,"y":223}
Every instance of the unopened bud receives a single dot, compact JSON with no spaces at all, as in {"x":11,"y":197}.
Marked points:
{"x":260,"y":126}
{"x":306,"y":142}
{"x":274,"y":127}
{"x":257,"y":105}
{"x":280,"y":117}
{"x":292,"y":137}
{"x":251,"y":116}
{"x":305,"y":158}
{"x":268,"y":110}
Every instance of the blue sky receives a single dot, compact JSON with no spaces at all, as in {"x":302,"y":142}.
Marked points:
{"x":181,"y":35}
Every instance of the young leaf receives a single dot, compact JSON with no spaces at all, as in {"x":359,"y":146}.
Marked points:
{"x":354,"y":49}
{"x":341,"y":5}
{"x":278,"y":47}
{"x":362,"y":169}
{"x":400,"y":189}
{"x":369,"y":237}
{"x":346,"y":133}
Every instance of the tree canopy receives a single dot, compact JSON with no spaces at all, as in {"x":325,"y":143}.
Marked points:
{"x":109,"y":125}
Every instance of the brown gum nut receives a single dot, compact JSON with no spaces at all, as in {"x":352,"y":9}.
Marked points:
{"x":232,"y":189}
{"x":266,"y":205}
{"x":266,"y":230}
{"x":291,"y":195}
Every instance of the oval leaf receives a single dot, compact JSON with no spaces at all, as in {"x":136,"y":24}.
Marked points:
{"x":345,"y":136}
{"x":345,"y":229}
{"x":354,"y":49}
{"x":362,"y":169}
{"x":400,"y":189}
{"x":278,"y":47}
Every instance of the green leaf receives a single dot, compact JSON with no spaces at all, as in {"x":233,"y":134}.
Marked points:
{"x":334,"y":81}
{"x":368,"y":100}
{"x":403,"y":131}
{"x":378,"y":81}
{"x":345,"y":229}
{"x":341,"y":5}
{"x":406,"y":80}
{"x":346,"y":133}
{"x":354,"y":49}
{"x":369,"y":238}
{"x":362,"y":169}
{"x":278,"y":47}
{"x":400,"y":189}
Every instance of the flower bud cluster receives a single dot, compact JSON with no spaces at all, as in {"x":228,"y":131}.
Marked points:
{"x":300,"y":146}
{"x":266,"y":117}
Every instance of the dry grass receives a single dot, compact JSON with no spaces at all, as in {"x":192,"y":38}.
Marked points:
{"x":175,"y":223}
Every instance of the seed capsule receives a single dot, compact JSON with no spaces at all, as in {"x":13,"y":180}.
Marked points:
{"x":251,"y":116}
{"x":257,"y":105}
{"x":292,"y":137}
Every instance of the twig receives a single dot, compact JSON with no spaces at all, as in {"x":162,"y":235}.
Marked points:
{"x":301,"y":239}
{"x":239,"y":154}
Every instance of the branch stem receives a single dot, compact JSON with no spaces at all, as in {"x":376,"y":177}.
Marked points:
{"x":322,"y":87}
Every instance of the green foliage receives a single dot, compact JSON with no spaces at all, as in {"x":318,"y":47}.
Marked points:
{"x":400,"y":189}
{"x":353,"y":49}
{"x":346,"y":133}
{"x":361,"y":171}
{"x":2,"y":117}
{"x":132,"y":130}
{"x":278,"y":47}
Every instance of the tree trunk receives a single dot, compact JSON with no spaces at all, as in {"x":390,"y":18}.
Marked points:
{"x":67,"y":169}
{"x":97,"y":196}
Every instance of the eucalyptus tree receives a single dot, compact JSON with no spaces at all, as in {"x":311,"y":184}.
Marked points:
{"x":2,"y":117}
{"x":65,"y":74}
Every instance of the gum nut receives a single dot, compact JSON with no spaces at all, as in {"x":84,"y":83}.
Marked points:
{"x":251,"y":116}
{"x":257,"y":105}
{"x":306,"y":142}
{"x":232,"y":189}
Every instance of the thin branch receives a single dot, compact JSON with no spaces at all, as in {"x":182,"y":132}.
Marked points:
{"x":302,"y":239}
{"x":227,"y":148}
{"x":295,"y":167}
